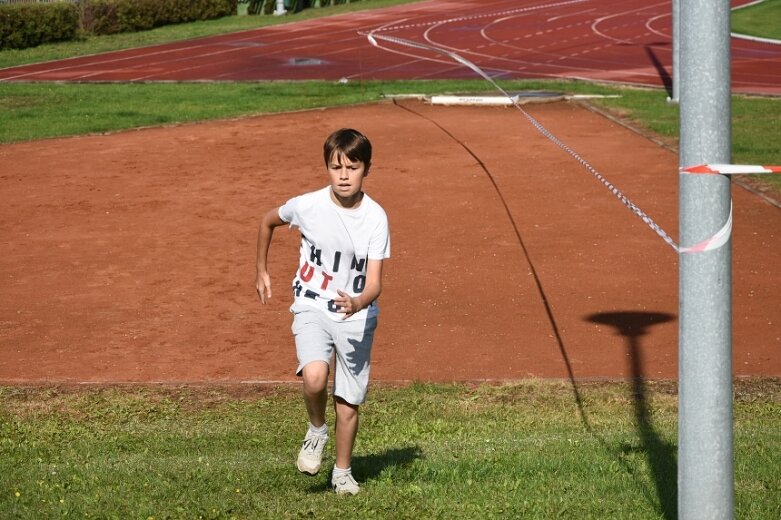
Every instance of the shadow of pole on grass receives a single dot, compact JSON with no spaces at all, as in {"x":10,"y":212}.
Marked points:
{"x":659,"y":453}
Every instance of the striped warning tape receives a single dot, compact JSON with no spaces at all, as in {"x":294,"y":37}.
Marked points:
{"x":731,"y":169}
{"x":716,"y":241}
{"x":720,"y":238}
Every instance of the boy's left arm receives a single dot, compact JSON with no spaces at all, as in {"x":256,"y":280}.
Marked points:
{"x":349,"y":305}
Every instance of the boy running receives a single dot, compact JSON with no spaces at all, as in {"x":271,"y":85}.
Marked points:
{"x":344,"y":240}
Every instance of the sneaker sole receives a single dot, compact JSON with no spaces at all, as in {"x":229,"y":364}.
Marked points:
{"x":346,"y":493}
{"x":308,"y":471}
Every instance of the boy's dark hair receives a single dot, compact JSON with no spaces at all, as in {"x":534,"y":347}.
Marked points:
{"x":353,"y":144}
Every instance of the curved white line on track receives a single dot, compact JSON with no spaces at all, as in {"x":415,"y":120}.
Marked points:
{"x":391,"y":26}
{"x":475,"y":54}
{"x":484,"y":15}
{"x":598,"y":21}
{"x":597,"y":67}
{"x":484,"y":34}
{"x":428,"y":31}
{"x":563,"y":69}
{"x":487,"y":37}
{"x":569,"y":14}
{"x":649,"y":25}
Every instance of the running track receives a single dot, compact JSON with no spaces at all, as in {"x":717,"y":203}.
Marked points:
{"x":627,"y":41}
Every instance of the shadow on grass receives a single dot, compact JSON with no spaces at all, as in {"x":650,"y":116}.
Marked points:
{"x":368,"y":467}
{"x":371,"y":466}
{"x":661,"y":455}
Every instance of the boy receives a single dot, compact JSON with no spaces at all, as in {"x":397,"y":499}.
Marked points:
{"x":344,"y":240}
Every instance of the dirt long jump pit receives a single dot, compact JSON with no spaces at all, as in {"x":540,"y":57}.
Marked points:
{"x":131,"y":257}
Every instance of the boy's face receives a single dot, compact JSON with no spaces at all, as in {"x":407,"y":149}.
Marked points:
{"x":346,"y":179}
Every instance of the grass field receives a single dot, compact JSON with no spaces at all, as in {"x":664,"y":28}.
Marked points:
{"x":534,"y":449}
{"x":763,"y":20}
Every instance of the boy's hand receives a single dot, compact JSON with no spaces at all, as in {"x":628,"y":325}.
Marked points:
{"x":347,"y":304}
{"x":263,"y":286}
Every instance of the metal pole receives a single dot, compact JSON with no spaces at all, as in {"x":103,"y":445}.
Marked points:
{"x":675,"y":96}
{"x":705,"y":437}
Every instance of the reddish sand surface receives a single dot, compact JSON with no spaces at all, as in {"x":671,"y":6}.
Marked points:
{"x":130,"y":257}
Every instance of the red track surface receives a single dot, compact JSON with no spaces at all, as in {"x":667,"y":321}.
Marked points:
{"x":626,"y":41}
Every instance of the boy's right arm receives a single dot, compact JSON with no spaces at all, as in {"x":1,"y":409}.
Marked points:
{"x":267,"y":224}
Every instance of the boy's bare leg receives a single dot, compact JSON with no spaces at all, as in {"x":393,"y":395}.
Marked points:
{"x":315,"y":376}
{"x":310,"y":457}
{"x":346,"y":429}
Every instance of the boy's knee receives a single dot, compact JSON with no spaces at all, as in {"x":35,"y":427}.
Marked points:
{"x":315,"y":376}
{"x":344,"y":408}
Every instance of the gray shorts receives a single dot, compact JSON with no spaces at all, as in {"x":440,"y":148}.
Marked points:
{"x":318,"y":336}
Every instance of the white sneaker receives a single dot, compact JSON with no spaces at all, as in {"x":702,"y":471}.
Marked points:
{"x":345,"y":485}
{"x":311,"y":454}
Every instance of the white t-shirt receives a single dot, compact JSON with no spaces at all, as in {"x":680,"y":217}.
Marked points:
{"x":335,"y":246}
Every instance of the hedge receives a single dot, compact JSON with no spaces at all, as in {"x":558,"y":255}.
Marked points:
{"x":28,"y":25}
{"x":113,"y":16}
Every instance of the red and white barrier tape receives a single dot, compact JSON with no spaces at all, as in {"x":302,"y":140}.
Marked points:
{"x":731,"y":169}
{"x":720,"y":238}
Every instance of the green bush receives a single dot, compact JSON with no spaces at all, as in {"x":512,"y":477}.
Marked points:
{"x":114,"y":16}
{"x":138,"y":15}
{"x":28,"y":25}
{"x":100,"y":17}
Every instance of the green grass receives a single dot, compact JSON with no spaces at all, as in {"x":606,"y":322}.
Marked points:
{"x":34,"y":111}
{"x":763,"y":19}
{"x":756,"y":136}
{"x":524,"y":450}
